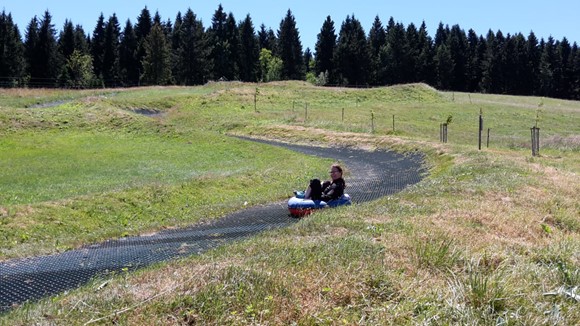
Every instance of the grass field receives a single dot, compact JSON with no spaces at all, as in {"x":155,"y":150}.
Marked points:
{"x":490,"y":237}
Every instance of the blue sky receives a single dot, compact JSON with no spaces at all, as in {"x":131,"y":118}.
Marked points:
{"x":556,"y":18}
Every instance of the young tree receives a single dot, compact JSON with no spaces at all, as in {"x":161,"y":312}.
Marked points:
{"x":270,"y":66}
{"x":352,"y":53}
{"x":290,"y":49}
{"x":325,"y":48}
{"x":78,"y":70}
{"x":249,"y":52}
{"x":157,"y":59}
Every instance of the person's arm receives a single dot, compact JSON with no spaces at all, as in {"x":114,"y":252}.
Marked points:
{"x":333,"y":191}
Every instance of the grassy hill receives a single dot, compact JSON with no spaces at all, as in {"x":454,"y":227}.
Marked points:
{"x":490,"y":237}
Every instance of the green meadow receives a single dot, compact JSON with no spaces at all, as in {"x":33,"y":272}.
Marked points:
{"x":490,"y":236}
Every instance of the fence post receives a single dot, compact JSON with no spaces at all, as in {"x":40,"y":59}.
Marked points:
{"x":393,"y":123}
{"x":535,"y":141}
{"x":480,"y":130}
{"x":256,"y":100}
{"x":372,"y":121}
{"x":443,"y":132}
{"x":488,"y":137}
{"x":305,"y":112}
{"x":342,"y":114}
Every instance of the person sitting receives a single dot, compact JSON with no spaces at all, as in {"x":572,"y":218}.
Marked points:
{"x":327,"y":190}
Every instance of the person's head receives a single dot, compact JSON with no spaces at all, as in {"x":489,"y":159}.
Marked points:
{"x":335,"y":172}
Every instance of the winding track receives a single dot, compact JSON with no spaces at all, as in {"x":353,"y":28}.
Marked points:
{"x":372,"y":175}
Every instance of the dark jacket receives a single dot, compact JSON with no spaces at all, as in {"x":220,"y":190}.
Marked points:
{"x":333,"y":190}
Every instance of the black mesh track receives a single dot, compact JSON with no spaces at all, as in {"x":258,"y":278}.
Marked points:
{"x":372,"y":175}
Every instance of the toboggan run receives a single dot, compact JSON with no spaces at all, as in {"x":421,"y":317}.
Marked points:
{"x":373,"y":174}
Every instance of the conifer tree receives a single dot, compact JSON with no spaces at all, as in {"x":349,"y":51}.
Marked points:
{"x":325,"y":50}
{"x":564,"y":60}
{"x":547,"y":65}
{"x":65,"y":47}
{"x":142,"y":30}
{"x":290,"y":49}
{"x":575,"y":83}
{"x":11,"y":53}
{"x":532,"y":66}
{"x":425,"y":66}
{"x":81,"y":40}
{"x":249,"y":51}
{"x":98,"y":47}
{"x":233,"y":41}
{"x":519,"y":83}
{"x":412,"y":35}
{"x":352,"y":53}
{"x":441,"y":35}
{"x":267,"y":38}
{"x":157,"y":59}
{"x":33,"y":64}
{"x":66,"y":40}
{"x":394,"y":55}
{"x":192,"y":65}
{"x":508,"y":66}
{"x":444,"y":67}
{"x":129,"y":67}
{"x":111,"y":69}
{"x":491,"y":66}
{"x":308,"y":61}
{"x":457,"y":45}
{"x":221,"y":51}
{"x":474,"y":59}
{"x":42,"y":54}
{"x":377,"y":39}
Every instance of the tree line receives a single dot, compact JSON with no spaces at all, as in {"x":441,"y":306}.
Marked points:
{"x":161,"y":52}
